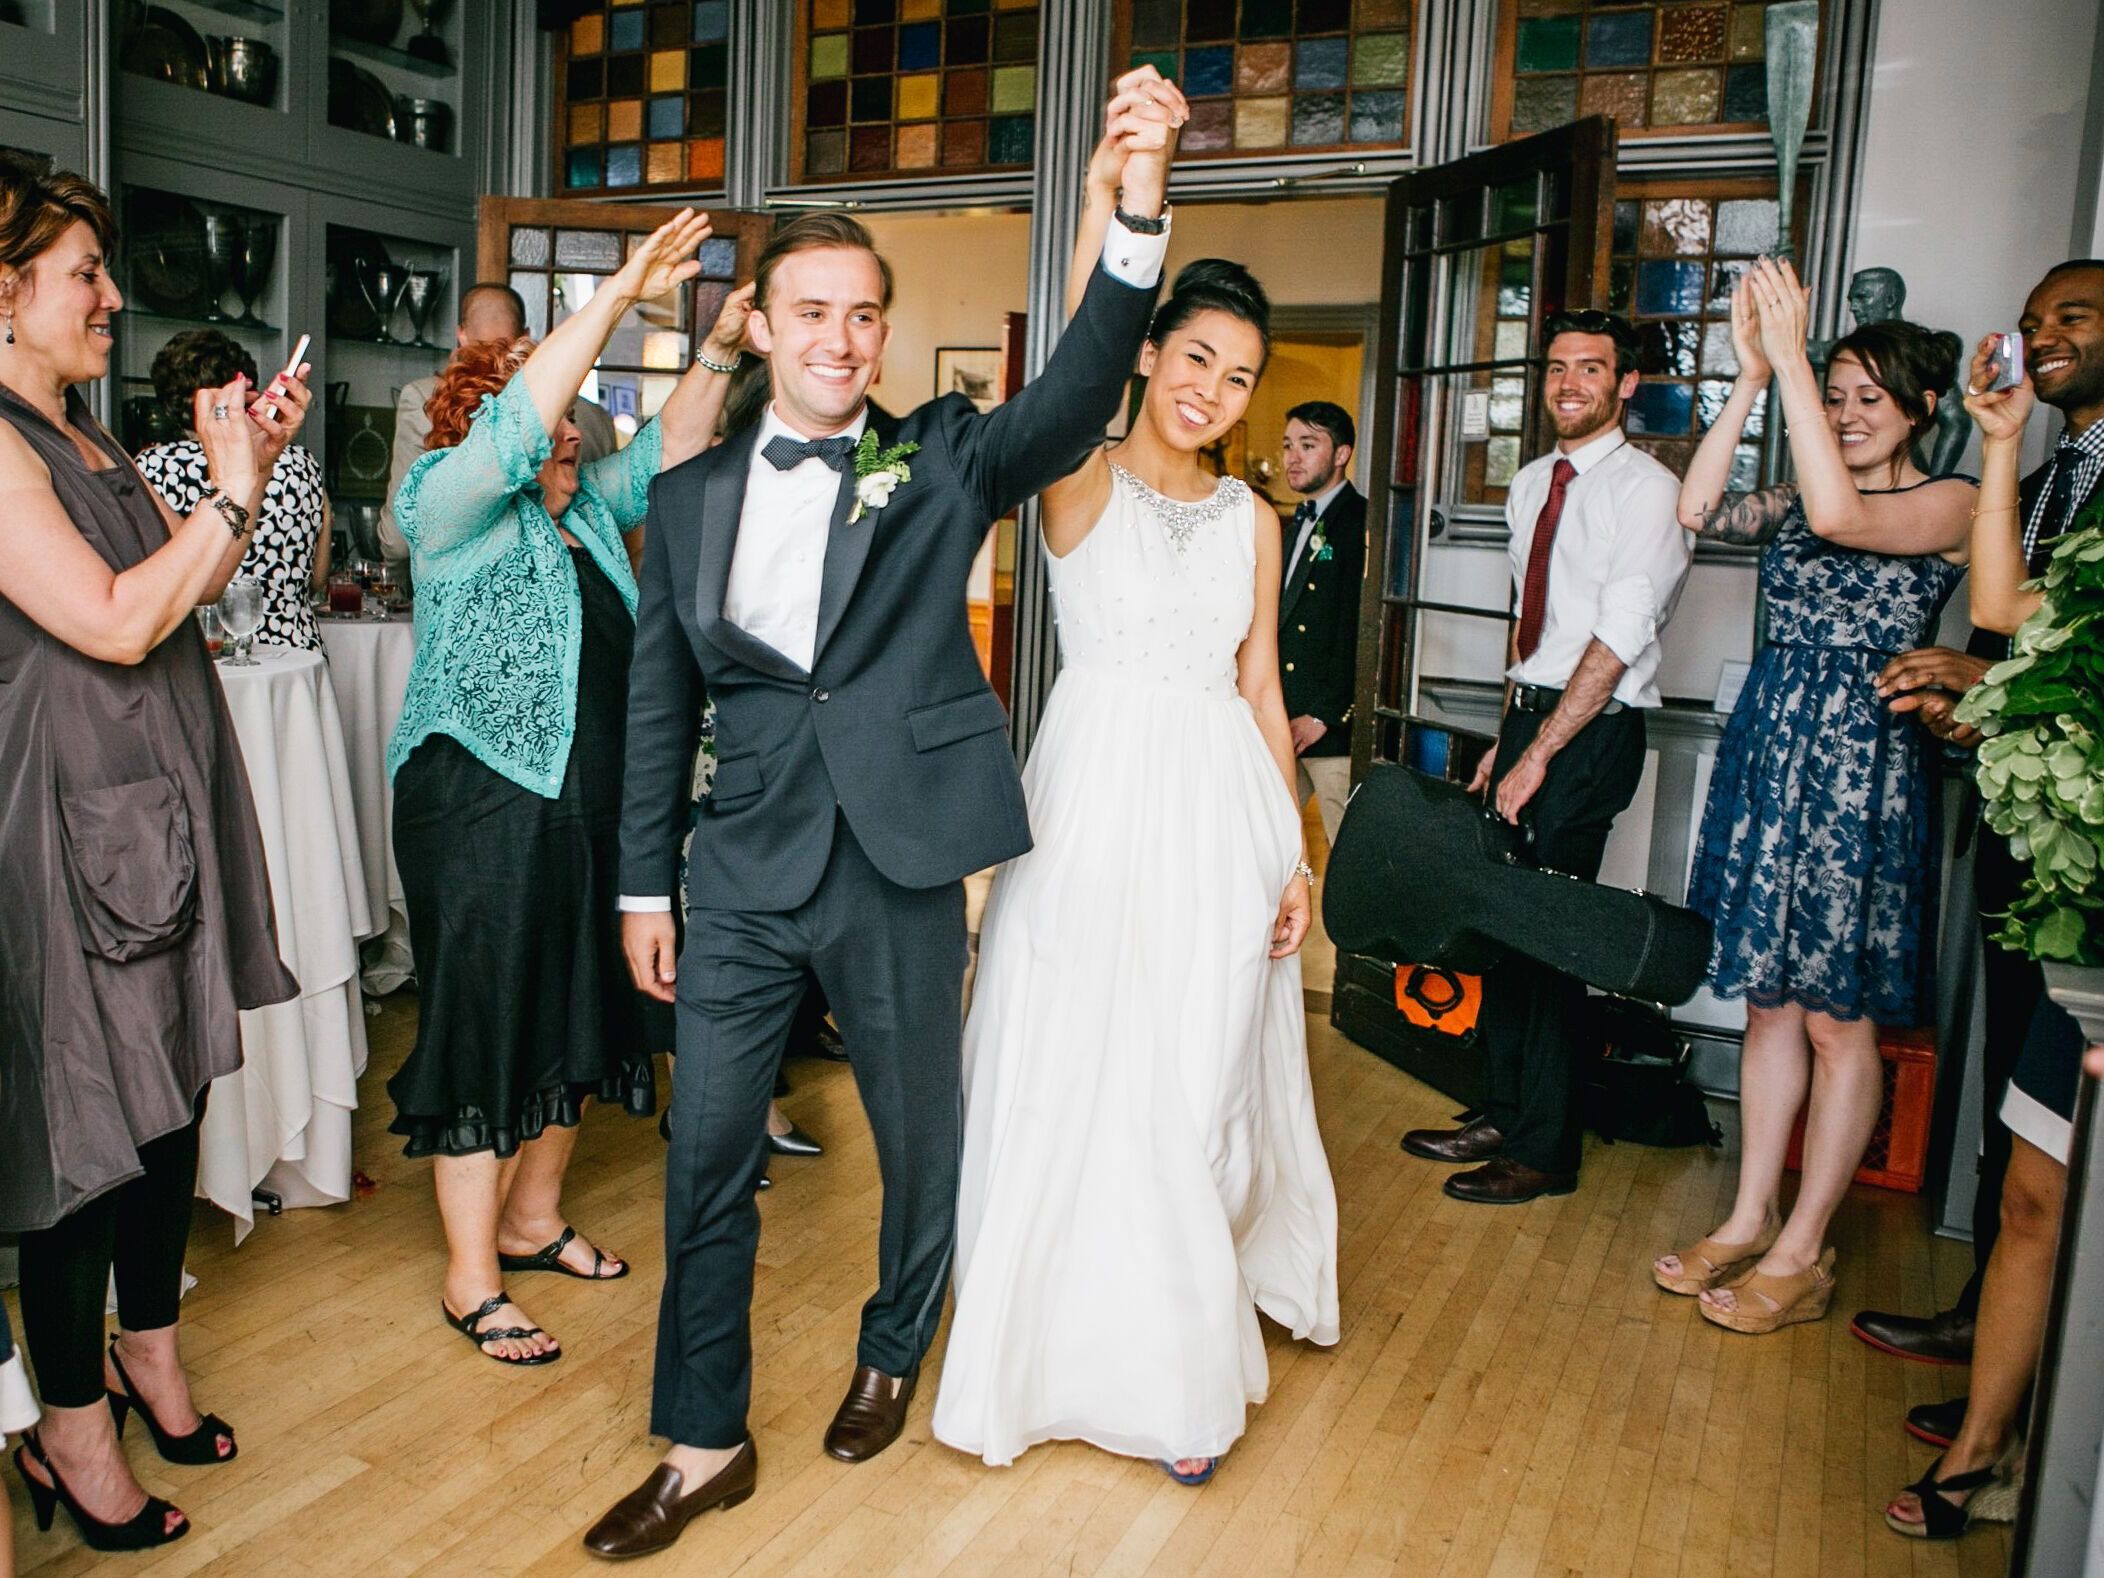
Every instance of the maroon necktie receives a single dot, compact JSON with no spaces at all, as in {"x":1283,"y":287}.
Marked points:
{"x":1534,"y":596}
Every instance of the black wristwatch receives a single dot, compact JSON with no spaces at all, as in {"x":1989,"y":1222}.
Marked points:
{"x":1139,"y":226}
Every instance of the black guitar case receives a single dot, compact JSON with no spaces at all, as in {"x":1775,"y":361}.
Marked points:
{"x":1422,"y":873}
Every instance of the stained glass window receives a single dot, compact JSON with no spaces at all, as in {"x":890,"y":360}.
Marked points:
{"x":1678,"y":67}
{"x":915,"y":87}
{"x":1277,"y":76}
{"x":1679,"y":248}
{"x":643,"y":91}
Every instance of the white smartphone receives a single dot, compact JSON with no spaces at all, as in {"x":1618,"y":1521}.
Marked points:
{"x":2005,"y":363}
{"x":266,"y":404}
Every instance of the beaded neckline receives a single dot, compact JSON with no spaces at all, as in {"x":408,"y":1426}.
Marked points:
{"x":1181,"y":518}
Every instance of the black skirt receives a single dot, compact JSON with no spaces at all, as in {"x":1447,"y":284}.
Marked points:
{"x":525,"y":1004}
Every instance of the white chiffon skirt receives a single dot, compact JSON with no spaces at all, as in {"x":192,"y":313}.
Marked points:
{"x":1142,"y":1170}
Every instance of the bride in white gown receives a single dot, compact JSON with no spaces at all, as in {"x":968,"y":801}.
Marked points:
{"x":1142,"y":1171}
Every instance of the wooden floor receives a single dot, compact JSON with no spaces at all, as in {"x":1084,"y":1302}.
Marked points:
{"x":1511,"y":1395}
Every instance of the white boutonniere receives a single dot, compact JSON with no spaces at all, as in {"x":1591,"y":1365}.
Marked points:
{"x":1319,"y":549}
{"x":878,"y":474}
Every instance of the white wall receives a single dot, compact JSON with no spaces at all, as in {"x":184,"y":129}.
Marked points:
{"x":1972,"y":155}
{"x":957,"y":275}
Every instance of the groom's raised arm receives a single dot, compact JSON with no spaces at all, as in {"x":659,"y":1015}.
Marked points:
{"x":1021,"y":448}
{"x":664,"y":726}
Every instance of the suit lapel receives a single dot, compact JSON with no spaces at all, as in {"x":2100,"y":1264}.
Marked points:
{"x":847,"y":547}
{"x":722,"y":505}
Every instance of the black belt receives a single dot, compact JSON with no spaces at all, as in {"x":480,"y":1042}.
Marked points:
{"x":1540,"y":698}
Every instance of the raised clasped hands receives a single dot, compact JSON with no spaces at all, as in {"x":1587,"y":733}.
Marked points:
{"x":665,"y":259}
{"x":2001,"y":414}
{"x":1783,"y":303}
{"x":1140,"y":127}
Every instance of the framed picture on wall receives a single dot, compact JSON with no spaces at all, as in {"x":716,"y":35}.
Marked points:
{"x":970,"y":370}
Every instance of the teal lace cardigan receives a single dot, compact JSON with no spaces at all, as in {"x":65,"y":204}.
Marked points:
{"x":498,"y":620}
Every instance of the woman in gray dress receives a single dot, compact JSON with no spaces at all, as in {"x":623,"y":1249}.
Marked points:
{"x":138,"y":918}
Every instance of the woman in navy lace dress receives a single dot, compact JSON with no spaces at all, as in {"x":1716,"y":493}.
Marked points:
{"x":1814,"y":861}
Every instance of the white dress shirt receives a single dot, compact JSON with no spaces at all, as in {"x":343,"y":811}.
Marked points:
{"x":780,"y":558}
{"x":1307,"y":527}
{"x":778,"y":565}
{"x":1616,"y":568}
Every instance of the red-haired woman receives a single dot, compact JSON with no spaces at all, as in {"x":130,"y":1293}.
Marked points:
{"x":507,"y":767}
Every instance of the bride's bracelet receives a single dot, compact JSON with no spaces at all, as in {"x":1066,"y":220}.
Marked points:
{"x":1301,"y":868}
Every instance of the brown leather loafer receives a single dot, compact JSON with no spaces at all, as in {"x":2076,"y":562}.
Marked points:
{"x":1503,"y":1181}
{"x":654,"y":1514}
{"x":870,"y":1416}
{"x":1477,"y":1141}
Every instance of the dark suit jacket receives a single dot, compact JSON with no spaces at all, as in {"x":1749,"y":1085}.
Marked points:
{"x":1988,"y":643}
{"x":895,"y":727}
{"x":1318,"y":624}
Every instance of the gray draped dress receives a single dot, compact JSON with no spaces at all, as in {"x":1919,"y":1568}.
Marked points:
{"x":137,"y":915}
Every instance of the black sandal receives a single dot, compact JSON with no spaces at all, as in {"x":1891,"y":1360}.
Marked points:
{"x":550,"y":1259}
{"x":198,"y":1448}
{"x":1939,"y":1519}
{"x":465,"y":1325}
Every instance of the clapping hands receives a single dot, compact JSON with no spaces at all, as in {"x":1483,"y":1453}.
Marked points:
{"x":1782,"y":306}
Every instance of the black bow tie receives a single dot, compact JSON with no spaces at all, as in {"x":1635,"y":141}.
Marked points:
{"x":785,"y":453}
{"x":1305,"y":513}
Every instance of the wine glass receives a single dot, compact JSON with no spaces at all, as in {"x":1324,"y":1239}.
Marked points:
{"x":215,"y":637}
{"x":241,"y":611}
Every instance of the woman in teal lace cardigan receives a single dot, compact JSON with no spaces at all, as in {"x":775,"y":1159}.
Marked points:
{"x":507,"y":770}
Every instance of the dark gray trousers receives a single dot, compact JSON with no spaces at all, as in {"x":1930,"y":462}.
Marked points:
{"x":891,"y":960}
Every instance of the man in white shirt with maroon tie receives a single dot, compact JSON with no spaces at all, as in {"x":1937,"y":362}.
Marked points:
{"x":1597,"y":561}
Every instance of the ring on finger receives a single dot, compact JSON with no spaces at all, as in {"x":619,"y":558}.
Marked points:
{"x":219,"y":413}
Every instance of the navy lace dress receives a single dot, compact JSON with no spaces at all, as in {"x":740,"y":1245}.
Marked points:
{"x":1814,"y":860}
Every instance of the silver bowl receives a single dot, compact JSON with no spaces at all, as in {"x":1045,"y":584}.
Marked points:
{"x":244,"y":69}
{"x":425,"y":123}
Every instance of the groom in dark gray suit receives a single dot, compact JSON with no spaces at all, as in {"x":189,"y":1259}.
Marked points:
{"x":812,"y":572}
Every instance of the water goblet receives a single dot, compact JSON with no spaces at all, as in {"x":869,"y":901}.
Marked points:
{"x":222,"y":249}
{"x":241,"y":611}
{"x":258,"y":251}
{"x":420,"y":297}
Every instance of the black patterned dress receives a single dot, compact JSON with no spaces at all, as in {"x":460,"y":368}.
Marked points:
{"x":281,"y":554}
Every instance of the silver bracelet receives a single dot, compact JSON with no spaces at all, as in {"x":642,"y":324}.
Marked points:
{"x":701,"y":359}
{"x":235,"y":516}
{"x":1302,"y":869}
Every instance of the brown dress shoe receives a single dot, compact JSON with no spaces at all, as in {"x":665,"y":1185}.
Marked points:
{"x":1475,"y":1141}
{"x":1943,"y":1338}
{"x":654,"y":1514}
{"x":870,"y":1416}
{"x":1503,"y":1181}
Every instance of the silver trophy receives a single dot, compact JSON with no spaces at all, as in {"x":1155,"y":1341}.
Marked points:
{"x":420,"y":298}
{"x":252,"y":264}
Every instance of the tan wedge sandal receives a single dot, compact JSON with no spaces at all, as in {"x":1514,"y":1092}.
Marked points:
{"x":1712,"y":1264}
{"x":1764,"y":1303}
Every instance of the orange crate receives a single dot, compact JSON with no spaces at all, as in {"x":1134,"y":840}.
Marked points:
{"x":1897,"y":1156}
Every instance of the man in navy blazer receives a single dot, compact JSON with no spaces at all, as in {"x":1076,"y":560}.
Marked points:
{"x":811,"y":571}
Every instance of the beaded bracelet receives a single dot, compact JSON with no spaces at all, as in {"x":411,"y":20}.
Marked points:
{"x":235,"y":515}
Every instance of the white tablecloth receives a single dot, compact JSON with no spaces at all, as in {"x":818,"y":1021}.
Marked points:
{"x":283,"y":1120}
{"x":369,"y":664}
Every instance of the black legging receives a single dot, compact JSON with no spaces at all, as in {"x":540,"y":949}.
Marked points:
{"x":140,"y":1228}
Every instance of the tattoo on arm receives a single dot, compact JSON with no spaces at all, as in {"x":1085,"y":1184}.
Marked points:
{"x":1747,"y":519}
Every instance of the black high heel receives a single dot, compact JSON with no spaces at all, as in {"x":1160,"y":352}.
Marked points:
{"x":142,"y":1531}
{"x":196,"y":1450}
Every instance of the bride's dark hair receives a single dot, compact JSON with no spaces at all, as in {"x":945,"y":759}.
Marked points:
{"x":1213,"y":285}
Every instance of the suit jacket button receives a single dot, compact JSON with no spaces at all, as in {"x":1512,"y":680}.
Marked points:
{"x":1289,"y":668}
{"x":821,"y":695}
{"x":1303,"y":629}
